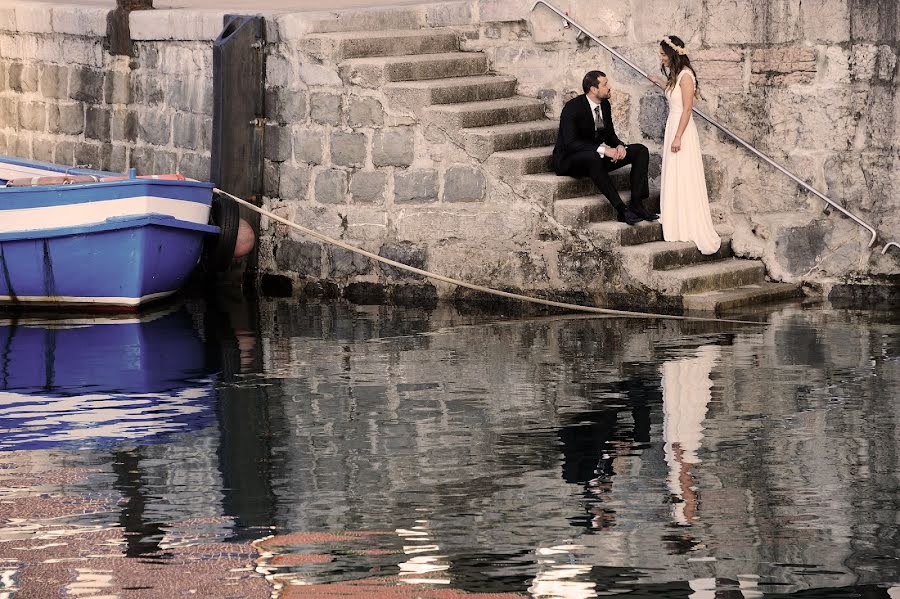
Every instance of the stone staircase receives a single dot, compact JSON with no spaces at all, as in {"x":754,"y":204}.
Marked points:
{"x":425,"y":72}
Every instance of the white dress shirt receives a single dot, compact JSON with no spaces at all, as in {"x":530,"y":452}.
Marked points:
{"x":602,"y":148}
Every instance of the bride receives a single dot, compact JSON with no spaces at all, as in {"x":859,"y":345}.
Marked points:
{"x":684,"y":204}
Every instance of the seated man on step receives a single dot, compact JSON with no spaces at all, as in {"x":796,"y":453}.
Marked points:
{"x":587,"y":146}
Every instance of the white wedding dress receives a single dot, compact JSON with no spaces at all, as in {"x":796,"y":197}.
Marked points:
{"x":684,"y":204}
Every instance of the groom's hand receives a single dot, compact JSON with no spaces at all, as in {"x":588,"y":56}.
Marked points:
{"x":620,"y":153}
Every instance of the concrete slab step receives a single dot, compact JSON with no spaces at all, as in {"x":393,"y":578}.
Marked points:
{"x":549,"y":187}
{"x":518,"y":109}
{"x":527,"y":161}
{"x":712,"y":276}
{"x":665,"y":255}
{"x":484,"y":141}
{"x":376,"y":71}
{"x":419,"y":94}
{"x":623,"y":234}
{"x":363,"y":44}
{"x":724,"y":300}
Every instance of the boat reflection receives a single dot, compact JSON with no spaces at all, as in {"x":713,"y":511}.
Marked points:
{"x":83,"y":381}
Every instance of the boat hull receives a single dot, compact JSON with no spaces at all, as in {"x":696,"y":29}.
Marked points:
{"x":111,"y":245}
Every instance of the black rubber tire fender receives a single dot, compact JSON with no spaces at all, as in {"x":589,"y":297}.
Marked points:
{"x":219,"y":250}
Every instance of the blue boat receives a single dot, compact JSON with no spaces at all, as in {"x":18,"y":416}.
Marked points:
{"x":101,"y":240}
{"x":94,"y":380}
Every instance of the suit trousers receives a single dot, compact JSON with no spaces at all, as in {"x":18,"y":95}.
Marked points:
{"x":590,"y":164}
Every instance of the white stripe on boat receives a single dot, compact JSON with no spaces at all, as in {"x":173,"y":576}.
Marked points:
{"x":91,"y":213}
{"x":13,"y":171}
{"x":54,"y":300}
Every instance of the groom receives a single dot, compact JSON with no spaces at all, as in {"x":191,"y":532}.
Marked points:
{"x":587,"y":146}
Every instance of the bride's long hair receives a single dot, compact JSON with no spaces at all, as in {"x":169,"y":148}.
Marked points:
{"x":678,"y":60}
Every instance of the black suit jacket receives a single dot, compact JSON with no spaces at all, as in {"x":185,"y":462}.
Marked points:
{"x":576,"y":132}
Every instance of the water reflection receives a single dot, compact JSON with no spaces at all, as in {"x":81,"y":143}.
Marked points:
{"x":417,"y":451}
{"x":87,"y":380}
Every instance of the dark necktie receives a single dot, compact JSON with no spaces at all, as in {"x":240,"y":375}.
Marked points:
{"x":598,"y":122}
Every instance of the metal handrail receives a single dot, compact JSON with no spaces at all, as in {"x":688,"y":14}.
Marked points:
{"x":725,"y":130}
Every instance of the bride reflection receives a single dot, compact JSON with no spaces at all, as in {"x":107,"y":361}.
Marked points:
{"x":686,"y":388}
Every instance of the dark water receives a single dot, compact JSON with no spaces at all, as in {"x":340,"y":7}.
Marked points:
{"x":550,"y":457}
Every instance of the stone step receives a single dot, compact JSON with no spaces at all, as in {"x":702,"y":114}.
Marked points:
{"x":665,"y":255}
{"x":578,"y":212}
{"x":419,"y":94}
{"x":364,"y":44}
{"x":487,"y":113}
{"x":481,"y":142}
{"x":722,"y":274}
{"x":740,"y":297}
{"x":549,"y":187}
{"x":527,"y":161}
{"x":623,"y":234}
{"x":376,"y":71}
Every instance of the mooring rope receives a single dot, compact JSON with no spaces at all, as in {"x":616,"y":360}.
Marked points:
{"x":474,"y":287}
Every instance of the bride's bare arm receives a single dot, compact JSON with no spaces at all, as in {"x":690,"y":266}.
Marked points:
{"x":687,"y":100}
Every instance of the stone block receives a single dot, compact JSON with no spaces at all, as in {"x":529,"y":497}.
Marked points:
{"x":406,"y":253}
{"x":309,"y":146}
{"x":325,"y":108}
{"x":116,"y":88}
{"x":825,"y":21}
{"x":32,"y":116}
{"x":87,"y":155}
{"x":783,"y":66}
{"x":348,"y":149}
{"x":860,"y":181}
{"x":368,"y":187}
{"x":652,"y":115}
{"x":118,"y":162}
{"x":21,"y":146}
{"x":655,"y":19}
{"x":23,"y":78}
{"x":293,"y":182}
{"x":191,"y":94}
{"x":9,"y":110}
{"x":87,"y":85}
{"x":719,"y":68}
{"x":146,"y":90}
{"x":160,"y":24}
{"x":32,"y":18}
{"x":464,"y":184}
{"x":344,"y":264}
{"x":194,"y":165}
{"x":279,"y":71}
{"x":715,"y":178}
{"x":331,"y":186}
{"x":394,"y":147}
{"x":546,"y":27}
{"x":605,"y":19}
{"x":271,"y":179}
{"x":43,"y":149}
{"x":79,"y":20}
{"x":823,"y":121}
{"x":316,"y":74}
{"x":64,"y":152}
{"x":503,"y":10}
{"x":419,"y":186}
{"x":153,"y":127}
{"x":278,"y":143}
{"x":874,"y":20}
{"x":302,"y":257}
{"x":365,"y":112}
{"x":799,"y":248}
{"x":66,"y":118}
{"x":54,"y":81}
{"x":97,"y":123}
{"x":117,"y":125}
{"x":449,"y":15}
{"x":286,"y":105}
{"x":192,"y":131}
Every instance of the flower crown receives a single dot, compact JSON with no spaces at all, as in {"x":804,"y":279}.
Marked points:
{"x":678,"y":50}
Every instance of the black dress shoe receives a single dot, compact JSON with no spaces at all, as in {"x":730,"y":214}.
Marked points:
{"x":628,"y":217}
{"x":638,"y":208}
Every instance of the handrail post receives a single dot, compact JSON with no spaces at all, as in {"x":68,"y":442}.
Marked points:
{"x":725,"y":130}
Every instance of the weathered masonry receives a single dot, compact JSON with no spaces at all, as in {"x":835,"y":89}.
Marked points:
{"x":423,"y":134}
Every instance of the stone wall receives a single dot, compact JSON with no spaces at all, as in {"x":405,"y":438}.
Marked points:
{"x":813,"y":84}
{"x":65,"y":99}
